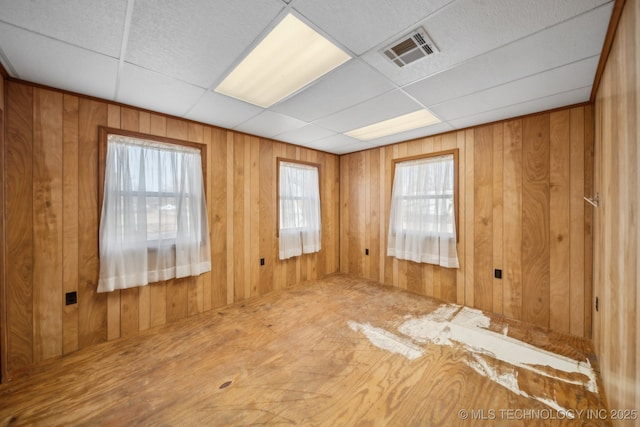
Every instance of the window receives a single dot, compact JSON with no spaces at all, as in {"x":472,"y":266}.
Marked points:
{"x":423,"y":217}
{"x":153,"y":224}
{"x":299,"y":208}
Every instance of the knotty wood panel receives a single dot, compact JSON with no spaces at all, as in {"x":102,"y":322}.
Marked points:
{"x":70,"y":221}
{"x":52,"y":220}
{"x":518,"y":180}
{"x":616,"y":241}
{"x":47,"y":223}
{"x":483,"y":218}
{"x":18,"y":210}
{"x":535,"y":219}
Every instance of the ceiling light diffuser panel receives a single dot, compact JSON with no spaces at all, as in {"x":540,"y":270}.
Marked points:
{"x":290,"y":57}
{"x":417,"y":119}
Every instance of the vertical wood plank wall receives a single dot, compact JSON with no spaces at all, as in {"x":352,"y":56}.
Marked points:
{"x":616,"y":234}
{"x":521,"y":187}
{"x":52,"y":219}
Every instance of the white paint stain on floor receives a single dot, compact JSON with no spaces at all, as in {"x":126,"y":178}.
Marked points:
{"x":452,"y":324}
{"x":385,"y":340}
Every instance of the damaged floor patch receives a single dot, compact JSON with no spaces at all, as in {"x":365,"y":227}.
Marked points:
{"x":452,"y":324}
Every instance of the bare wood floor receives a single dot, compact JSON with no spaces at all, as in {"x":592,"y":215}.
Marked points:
{"x":339,"y":351}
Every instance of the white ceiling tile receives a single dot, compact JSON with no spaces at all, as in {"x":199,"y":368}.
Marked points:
{"x":94,"y":25}
{"x":362,"y":24}
{"x":269,"y":124}
{"x":196,"y":41}
{"x":339,"y":144}
{"x":349,"y":85}
{"x":469,"y":28}
{"x":147,"y":89}
{"x":575,"y":39}
{"x":386,"y":106}
{"x":305,"y":134}
{"x":568,"y":77}
{"x":38,"y":59}
{"x":541,"y":104}
{"x":221,"y":110}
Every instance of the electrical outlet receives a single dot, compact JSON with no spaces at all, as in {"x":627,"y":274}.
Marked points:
{"x":366,"y":251}
{"x":261,"y":261}
{"x":71,"y":298}
{"x":497,"y":273}
{"x":597,"y":305}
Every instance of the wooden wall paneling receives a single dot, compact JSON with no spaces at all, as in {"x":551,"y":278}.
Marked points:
{"x":238,"y":217}
{"x":246,"y":254}
{"x":230,"y":222}
{"x":483,"y":218}
{"x":589,"y":128}
{"x":312,"y":259}
{"x":47,"y":224}
{"x":268,"y":222}
{"x":113,"y":298}
{"x":92,"y":307}
{"x":497,"y":215}
{"x":357,"y":212}
{"x":177,"y":299}
{"x":400,"y":267}
{"x":560,"y":235}
{"x":318,"y":268}
{"x":469,"y":218}
{"x":535,"y":219}
{"x":158,"y":291}
{"x":512,"y":220}
{"x":195,"y":289}
{"x":19,"y":211}
{"x":208,"y":277}
{"x":344,"y":217}
{"x":278,"y":266}
{"x":373,"y":243}
{"x":70,"y":221}
{"x":365,"y":215}
{"x":388,"y":182}
{"x":577,"y":228}
{"x":256,"y":221}
{"x":219,"y":220}
{"x":460,"y":231}
{"x":130,"y":298}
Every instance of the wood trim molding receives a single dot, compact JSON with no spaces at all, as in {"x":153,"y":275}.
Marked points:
{"x":606,"y":48}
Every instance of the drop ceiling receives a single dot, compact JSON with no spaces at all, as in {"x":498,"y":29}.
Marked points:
{"x":497,"y":59}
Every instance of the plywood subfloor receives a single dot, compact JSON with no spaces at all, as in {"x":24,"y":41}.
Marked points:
{"x":327,"y":352}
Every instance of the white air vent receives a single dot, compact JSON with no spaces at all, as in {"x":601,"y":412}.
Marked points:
{"x":410,"y":48}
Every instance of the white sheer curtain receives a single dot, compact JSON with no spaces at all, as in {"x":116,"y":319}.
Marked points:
{"x":422,"y":225}
{"x":300,"y":228}
{"x":153,"y":225}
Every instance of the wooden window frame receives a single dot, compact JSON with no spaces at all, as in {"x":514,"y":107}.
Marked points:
{"x":456,"y":172}
{"x":301,"y":162}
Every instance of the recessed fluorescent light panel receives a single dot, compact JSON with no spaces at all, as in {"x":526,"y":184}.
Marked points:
{"x":291,"y":56}
{"x":415,"y":120}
